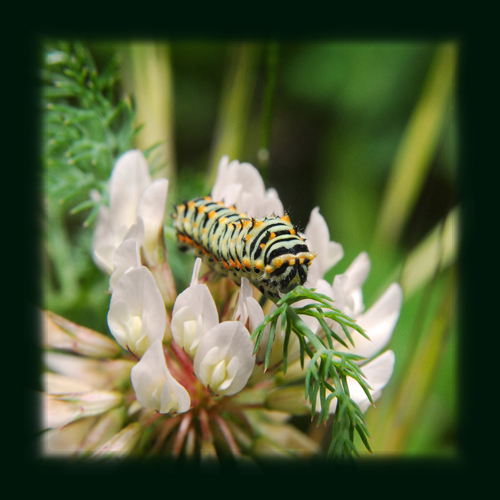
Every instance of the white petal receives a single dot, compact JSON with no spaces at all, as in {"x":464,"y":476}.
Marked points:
{"x":148,"y":374}
{"x":129,"y":179}
{"x":357,"y":272}
{"x":378,"y":322}
{"x":126,"y":257}
{"x":230,"y":194}
{"x":328,"y":253}
{"x":103,"y":242}
{"x":174,"y":398}
{"x":377,"y":373}
{"x":188,"y":328}
{"x":221,"y":179}
{"x":223,"y":343}
{"x":138,"y":289}
{"x":196,"y":272}
{"x":272,"y":203}
{"x":103,"y":258}
{"x":154,"y":386}
{"x":152,"y":211}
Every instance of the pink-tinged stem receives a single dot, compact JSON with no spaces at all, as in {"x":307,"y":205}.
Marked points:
{"x":165,"y":430}
{"x":227,"y":435}
{"x":184,"y":360}
{"x":181,"y":434}
{"x":205,"y":426}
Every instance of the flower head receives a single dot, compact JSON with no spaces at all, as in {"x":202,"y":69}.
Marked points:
{"x":132,"y":195}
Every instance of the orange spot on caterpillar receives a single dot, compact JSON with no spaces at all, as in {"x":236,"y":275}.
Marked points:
{"x":211,"y":214}
{"x":269,"y":269}
{"x":248,"y":237}
{"x":225,"y":264}
{"x":201,"y":209}
{"x":258,"y":223}
{"x":285,"y":218}
{"x":247,"y":263}
{"x":273,"y":235}
{"x":190,"y":204}
{"x":262,"y":245}
{"x":232,"y":263}
{"x":259,"y":265}
{"x":292,"y":231}
{"x":207,"y":198}
{"x":205,"y":252}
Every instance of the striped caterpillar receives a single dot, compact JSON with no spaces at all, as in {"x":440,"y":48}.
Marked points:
{"x":267,"y":251}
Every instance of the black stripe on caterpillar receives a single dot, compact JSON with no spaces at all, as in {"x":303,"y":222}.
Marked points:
{"x":267,"y":251}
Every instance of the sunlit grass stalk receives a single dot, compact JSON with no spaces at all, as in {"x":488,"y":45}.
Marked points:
{"x":153,"y":92}
{"x":234,"y":111}
{"x":417,"y":147}
{"x":406,"y":411}
{"x":439,"y":248}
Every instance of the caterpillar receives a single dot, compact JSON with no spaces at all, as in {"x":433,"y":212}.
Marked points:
{"x":267,"y":251}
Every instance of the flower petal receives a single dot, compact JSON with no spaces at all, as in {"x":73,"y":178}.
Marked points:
{"x":223,"y":343}
{"x":152,"y":211}
{"x":378,"y":322}
{"x":125,"y":258}
{"x":138,"y":289}
{"x":154,"y":386}
{"x":328,"y":253}
{"x":129,"y":179}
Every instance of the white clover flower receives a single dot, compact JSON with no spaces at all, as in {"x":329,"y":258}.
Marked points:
{"x":137,"y":316}
{"x":155,"y":387}
{"x":194,"y":314}
{"x":378,"y":322}
{"x":241,"y":185}
{"x":224,"y":359}
{"x":132,"y":194}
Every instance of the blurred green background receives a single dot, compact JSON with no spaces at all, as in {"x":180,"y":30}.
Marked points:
{"x":365,"y":130}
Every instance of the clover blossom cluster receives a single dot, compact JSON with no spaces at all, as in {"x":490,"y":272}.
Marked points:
{"x":183,"y":365}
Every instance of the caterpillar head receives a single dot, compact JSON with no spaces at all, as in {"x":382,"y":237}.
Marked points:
{"x":289,"y":271}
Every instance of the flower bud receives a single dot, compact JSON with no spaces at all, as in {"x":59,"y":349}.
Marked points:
{"x":105,"y":428}
{"x":100,"y":374}
{"x":290,"y":400}
{"x":62,"y":409}
{"x":121,"y":443}
{"x":59,"y":333}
